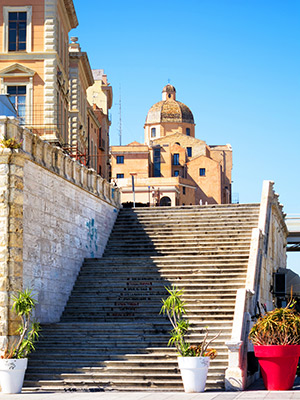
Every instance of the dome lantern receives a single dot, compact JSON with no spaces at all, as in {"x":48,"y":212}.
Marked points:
{"x":169,"y":93}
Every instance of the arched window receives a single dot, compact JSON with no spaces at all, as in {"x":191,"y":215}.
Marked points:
{"x":188,"y":131}
{"x":153,"y":132}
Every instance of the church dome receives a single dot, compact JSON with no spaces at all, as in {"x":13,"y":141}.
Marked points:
{"x":169,"y":109}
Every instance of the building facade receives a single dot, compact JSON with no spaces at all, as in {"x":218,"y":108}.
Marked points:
{"x":80,"y":78}
{"x":172,"y":167}
{"x":47,"y":78}
{"x":34,"y":63}
{"x":100,"y":95}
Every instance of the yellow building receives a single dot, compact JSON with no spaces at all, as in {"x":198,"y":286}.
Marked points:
{"x":47,"y":79}
{"x":172,"y":167}
{"x":34,"y":62}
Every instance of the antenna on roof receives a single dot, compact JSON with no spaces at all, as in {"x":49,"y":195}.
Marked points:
{"x":120,"y":117}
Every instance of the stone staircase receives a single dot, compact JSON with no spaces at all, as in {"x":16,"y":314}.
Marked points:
{"x":111,"y":336}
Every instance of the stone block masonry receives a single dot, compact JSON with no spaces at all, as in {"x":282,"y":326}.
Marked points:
{"x":54,"y":212}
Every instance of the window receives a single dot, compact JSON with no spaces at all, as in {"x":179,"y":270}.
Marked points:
{"x":202,"y":171}
{"x":17,"y":31}
{"x":120,"y":176}
{"x":188,"y":131}
{"x":18,"y":98}
{"x":156,"y":162}
{"x":17,"y":28}
{"x":120,"y":159}
{"x":176,"y":159}
{"x":176,"y":173}
{"x":183,"y":189}
{"x":189,"y":151}
{"x":153,"y":132}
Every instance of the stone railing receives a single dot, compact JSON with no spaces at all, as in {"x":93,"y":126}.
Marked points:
{"x":261,"y":266}
{"x":54,"y":159}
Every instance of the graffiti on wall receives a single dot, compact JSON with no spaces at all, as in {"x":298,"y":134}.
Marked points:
{"x":92,"y":237}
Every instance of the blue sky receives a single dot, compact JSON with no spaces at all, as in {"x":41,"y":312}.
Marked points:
{"x":235,"y":63}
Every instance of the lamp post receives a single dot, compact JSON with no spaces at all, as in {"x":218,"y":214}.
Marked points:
{"x":133,"y":189}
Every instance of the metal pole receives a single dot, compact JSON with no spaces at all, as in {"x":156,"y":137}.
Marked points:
{"x":133,"y":191}
{"x":149,"y":195}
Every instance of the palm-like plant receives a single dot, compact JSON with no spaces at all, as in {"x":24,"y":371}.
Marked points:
{"x":23,"y":305}
{"x":174,"y":307}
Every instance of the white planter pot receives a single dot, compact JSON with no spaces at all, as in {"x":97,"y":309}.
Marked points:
{"x":12,"y":371}
{"x":194,"y":373}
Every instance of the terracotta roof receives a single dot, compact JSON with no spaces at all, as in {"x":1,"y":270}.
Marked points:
{"x":135,"y":143}
{"x":169,"y":111}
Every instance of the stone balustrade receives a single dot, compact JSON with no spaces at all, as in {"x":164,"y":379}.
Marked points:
{"x":56,"y":160}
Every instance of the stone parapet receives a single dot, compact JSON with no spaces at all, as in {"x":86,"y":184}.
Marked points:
{"x":54,"y":159}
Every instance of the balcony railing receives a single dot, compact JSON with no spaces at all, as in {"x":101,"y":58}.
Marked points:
{"x":75,"y":153}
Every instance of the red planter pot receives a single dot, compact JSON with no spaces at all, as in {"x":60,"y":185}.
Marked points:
{"x":278,"y":365}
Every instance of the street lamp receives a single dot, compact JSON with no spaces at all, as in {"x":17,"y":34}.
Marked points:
{"x":133,"y":189}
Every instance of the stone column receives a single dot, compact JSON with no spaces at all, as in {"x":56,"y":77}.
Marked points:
{"x":235,"y":378}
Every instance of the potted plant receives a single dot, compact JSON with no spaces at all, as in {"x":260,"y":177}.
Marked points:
{"x":13,"y":362}
{"x":193,"y":360}
{"x":276,"y":339}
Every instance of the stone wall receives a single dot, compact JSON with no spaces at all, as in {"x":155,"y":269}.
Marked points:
{"x":62,"y":225}
{"x":53,"y":213}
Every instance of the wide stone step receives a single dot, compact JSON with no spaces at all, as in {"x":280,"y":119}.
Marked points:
{"x":88,"y":357}
{"x":170,"y":259}
{"x":185,"y":210}
{"x":136,"y":250}
{"x":147,"y":285}
{"x":196,"y":224}
{"x":232,"y":246}
{"x":196,"y":277}
{"x":129,"y":316}
{"x":141,"y":312}
{"x":185,"y":224}
{"x":220,"y":238}
{"x":167,"y":363}
{"x":182,"y":271}
{"x":109,"y":303}
{"x":106,"y":345}
{"x":147,"y":291}
{"x":184,"y":242}
{"x":161,"y":339}
{"x":169,"y":231}
{"x":98,"y":328}
{"x":127,"y":385}
{"x":109,"y":264}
